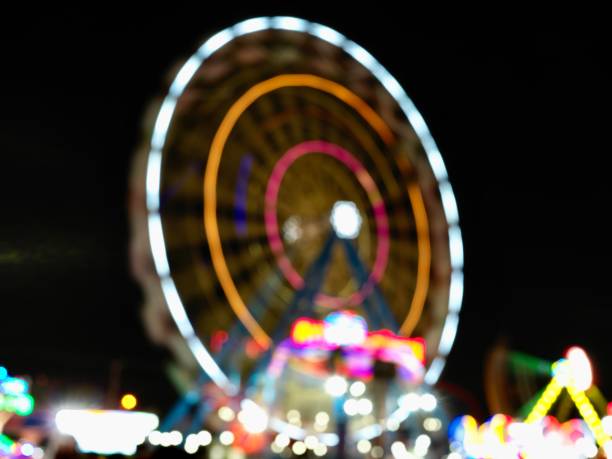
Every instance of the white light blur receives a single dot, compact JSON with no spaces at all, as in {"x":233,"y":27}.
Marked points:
{"x":456,"y":247}
{"x":156,"y":236}
{"x":418,"y":123}
{"x":448,"y":333}
{"x":226,"y":414}
{"x":428,"y":402}
{"x":327,"y":34}
{"x":106,"y":432}
{"x":289,"y":23}
{"x":176,"y":438}
{"x":399,"y":451}
{"x":27,"y":449}
{"x":336,"y":386}
{"x":364,"y":406}
{"x":153,"y":180}
{"x":158,"y":246}
{"x":392,"y":425}
{"x":251,"y":25}
{"x":179,"y":315}
{"x":253,"y":417}
{"x":345,"y":219}
{"x":361,"y":55}
{"x":329,"y":439}
{"x":606,"y":423}
{"x":437,"y":163}
{"x":432,"y":424}
{"x":562,"y":372}
{"x":217,"y":451}
{"x":226,"y":438}
{"x":456,"y":292}
{"x":351,"y":407}
{"x":320,"y":450}
{"x":38,"y":453}
{"x":282,"y":440}
{"x":215,"y":42}
{"x":311,"y":441}
{"x":377,"y":452}
{"x":292,"y":431}
{"x":299,"y":448}
{"x":204,"y":438}
{"x":449,"y":203}
{"x":184,"y":75}
{"x":421,"y":444}
{"x":395,"y":89}
{"x":586,"y":447}
{"x":162,"y":123}
{"x":357,"y":389}
{"x":434,"y":371}
{"x":410,"y":401}
{"x":205,"y":360}
{"x":322,"y":418}
{"x":369,"y":432}
{"x":191,"y":444}
{"x":294,"y":417}
{"x":155,"y":437}
{"x":454,"y":455}
{"x":580,"y":366}
{"x":176,"y":307}
{"x":364,"y":446}
{"x":292,"y":230}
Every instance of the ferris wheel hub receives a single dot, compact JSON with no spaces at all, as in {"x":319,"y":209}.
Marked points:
{"x":346,"y":219}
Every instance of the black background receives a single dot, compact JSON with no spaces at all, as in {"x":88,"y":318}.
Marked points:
{"x":522,"y":124}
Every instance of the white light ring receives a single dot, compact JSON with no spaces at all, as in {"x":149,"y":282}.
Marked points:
{"x":385,"y":79}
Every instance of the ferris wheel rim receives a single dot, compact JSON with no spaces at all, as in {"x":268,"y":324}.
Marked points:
{"x":153,"y":182}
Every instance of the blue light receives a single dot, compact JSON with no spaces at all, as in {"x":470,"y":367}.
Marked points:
{"x":14,"y":386}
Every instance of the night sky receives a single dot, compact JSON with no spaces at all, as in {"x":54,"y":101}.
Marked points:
{"x":523,"y":126}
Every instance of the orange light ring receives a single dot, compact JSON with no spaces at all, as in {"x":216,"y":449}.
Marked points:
{"x":210,"y":190}
{"x":423,"y":263}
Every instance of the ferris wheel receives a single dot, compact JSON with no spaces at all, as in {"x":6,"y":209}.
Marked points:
{"x":289,"y":174}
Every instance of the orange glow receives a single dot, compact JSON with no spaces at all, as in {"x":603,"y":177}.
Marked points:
{"x":424,"y":261}
{"x":128,"y":402}
{"x":210,"y":194}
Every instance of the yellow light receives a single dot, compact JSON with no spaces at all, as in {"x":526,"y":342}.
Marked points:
{"x":565,"y":377}
{"x":544,"y":403}
{"x":588,"y":413}
{"x":306,"y":330}
{"x":129,"y":402}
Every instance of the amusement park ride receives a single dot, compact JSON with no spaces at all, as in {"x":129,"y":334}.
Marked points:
{"x":305,"y":239}
{"x":298,"y":244}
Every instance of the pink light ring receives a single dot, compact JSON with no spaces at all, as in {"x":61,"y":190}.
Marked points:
{"x":380,"y":217}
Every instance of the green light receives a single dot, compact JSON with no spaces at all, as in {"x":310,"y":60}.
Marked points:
{"x":5,"y":443}
{"x":529,"y":363}
{"x":22,"y":405}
